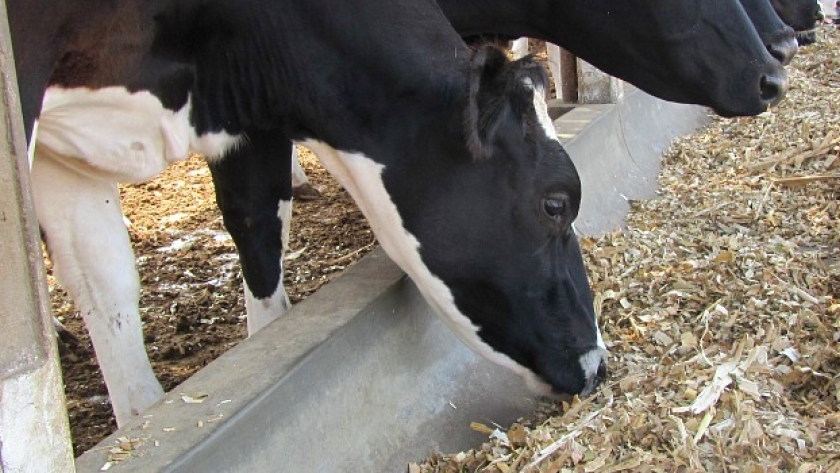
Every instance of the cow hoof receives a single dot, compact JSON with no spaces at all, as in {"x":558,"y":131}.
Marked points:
{"x":306,"y":192}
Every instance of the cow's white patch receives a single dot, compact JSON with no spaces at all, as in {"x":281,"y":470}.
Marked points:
{"x":214,"y":146}
{"x":284,"y":213}
{"x":261,"y":312}
{"x":121,"y":136}
{"x":110,"y":133}
{"x":541,"y":109}
{"x":85,"y":142}
{"x":298,"y":174}
{"x":362,"y":177}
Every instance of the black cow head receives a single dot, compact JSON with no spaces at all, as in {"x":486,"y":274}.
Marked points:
{"x":777,"y":36}
{"x":703,"y":41}
{"x":491,"y":221}
{"x":691,"y":51}
{"x":802,"y":16}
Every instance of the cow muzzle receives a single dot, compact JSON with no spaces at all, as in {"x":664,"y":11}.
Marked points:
{"x":594,"y":366}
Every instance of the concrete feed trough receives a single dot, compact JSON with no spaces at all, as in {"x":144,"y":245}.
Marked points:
{"x":362,"y":376}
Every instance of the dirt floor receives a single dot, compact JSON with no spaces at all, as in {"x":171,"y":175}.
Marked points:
{"x":192,"y":300}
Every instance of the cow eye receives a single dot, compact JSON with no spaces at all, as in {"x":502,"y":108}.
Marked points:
{"x":555,"y":206}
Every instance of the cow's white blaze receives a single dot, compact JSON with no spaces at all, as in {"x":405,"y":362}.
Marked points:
{"x":541,"y":107}
{"x":263,"y":311}
{"x":362,"y":177}
{"x":30,"y":150}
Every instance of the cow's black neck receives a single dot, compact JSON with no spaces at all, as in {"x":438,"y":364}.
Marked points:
{"x":308,"y":70}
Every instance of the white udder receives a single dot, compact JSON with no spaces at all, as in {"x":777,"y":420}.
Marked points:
{"x":120,"y":136}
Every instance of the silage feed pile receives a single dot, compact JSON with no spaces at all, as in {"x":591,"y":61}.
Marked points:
{"x":720,"y":303}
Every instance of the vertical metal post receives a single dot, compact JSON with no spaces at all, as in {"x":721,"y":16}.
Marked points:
{"x":596,"y":86}
{"x":553,"y":53}
{"x":34,"y":434}
{"x":568,"y":72}
{"x":593,"y":85}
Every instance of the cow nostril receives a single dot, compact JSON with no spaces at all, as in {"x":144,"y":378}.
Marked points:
{"x":777,"y":54}
{"x":783,"y":51}
{"x":602,"y":372}
{"x":771,"y":89}
{"x":594,"y":366}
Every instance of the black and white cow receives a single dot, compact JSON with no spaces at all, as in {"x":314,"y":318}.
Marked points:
{"x":673,"y":50}
{"x":470,"y":193}
{"x":139,"y":103}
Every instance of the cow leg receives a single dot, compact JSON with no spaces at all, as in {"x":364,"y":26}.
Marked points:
{"x":254,"y":193}
{"x":301,"y":188}
{"x":89,"y":245}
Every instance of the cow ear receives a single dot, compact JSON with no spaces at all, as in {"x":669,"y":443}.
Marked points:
{"x":486,"y":103}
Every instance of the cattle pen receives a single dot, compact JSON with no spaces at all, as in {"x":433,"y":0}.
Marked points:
{"x":361,"y":376}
